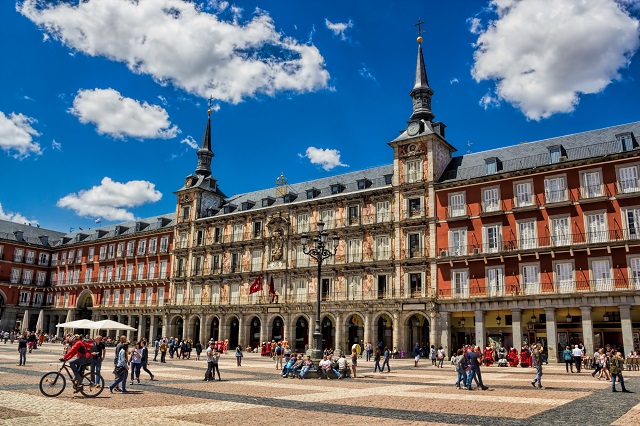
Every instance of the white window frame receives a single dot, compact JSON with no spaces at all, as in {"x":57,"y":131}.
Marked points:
{"x":151,"y":273}
{"x":238,"y":231}
{"x":413,"y":170}
{"x":460,"y":283}
{"x":354,"y":287}
{"x":591,"y":183}
{"x":631,"y":221}
{"x":458,"y":235}
{"x":492,"y":238}
{"x":354,"y":250}
{"x":457,"y":204}
{"x":328,"y":218}
{"x":302,"y":221}
{"x":495,"y":281}
{"x":601,"y":274}
{"x":256,"y":259}
{"x":530,"y":278}
{"x":383,"y":247}
{"x":153,"y":245}
{"x":596,"y":226}
{"x":560,"y":233}
{"x":491,"y":199}
{"x":633,"y":265}
{"x":164,"y":244}
{"x":142,"y":247}
{"x":555,"y":189}
{"x":383,"y":211}
{"x":528,"y":239}
{"x":564,"y":276}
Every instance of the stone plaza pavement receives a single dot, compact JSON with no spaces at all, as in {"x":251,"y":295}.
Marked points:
{"x":255,"y":393}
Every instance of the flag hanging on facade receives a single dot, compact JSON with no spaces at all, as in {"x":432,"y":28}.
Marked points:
{"x":256,"y":286}
{"x":272,"y":289}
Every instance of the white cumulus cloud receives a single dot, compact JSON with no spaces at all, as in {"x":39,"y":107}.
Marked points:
{"x":325,"y":158}
{"x":178,"y":42}
{"x":339,"y":28}
{"x":118,"y":116}
{"x":15,"y":217}
{"x":16,"y":135}
{"x":110,"y":200}
{"x":190,"y":141}
{"x":543,"y":58}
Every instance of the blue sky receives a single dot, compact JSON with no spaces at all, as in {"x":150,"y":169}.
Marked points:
{"x":103,"y":103}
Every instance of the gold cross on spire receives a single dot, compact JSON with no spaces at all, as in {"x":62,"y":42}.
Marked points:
{"x":420,"y":30}
{"x":210,"y":104}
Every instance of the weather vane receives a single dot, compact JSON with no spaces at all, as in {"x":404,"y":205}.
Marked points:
{"x":419,"y":25}
{"x":210,"y":104}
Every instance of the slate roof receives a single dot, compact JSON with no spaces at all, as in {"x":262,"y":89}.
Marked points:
{"x":349,"y":181}
{"x":528,"y":155}
{"x":31,"y":234}
{"x":165,"y":221}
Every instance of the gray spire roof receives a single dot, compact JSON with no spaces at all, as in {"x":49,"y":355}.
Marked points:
{"x":421,"y":80}
{"x":204,"y":153}
{"x":421,"y":92}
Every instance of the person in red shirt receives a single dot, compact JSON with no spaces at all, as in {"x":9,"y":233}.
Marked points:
{"x":84,"y":356}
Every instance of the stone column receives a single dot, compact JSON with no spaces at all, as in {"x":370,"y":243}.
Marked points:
{"x":587,"y":329}
{"x":367,"y":328}
{"x":627,"y":329}
{"x":153,"y":334}
{"x":397,"y":331}
{"x":185,"y":327}
{"x":203,"y":329}
{"x":265,"y":329}
{"x":480,"y":329}
{"x":130,"y":324}
{"x":241,"y":331}
{"x":339,"y":335}
{"x":552,"y":335}
{"x":141,"y":327}
{"x":165,"y":324}
{"x":445,"y":332}
{"x":434,"y":331}
{"x":516,"y":328}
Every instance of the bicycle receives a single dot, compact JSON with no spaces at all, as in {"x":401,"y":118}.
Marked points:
{"x":53,"y":383}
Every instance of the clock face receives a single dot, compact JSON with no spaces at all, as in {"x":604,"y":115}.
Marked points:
{"x":413,"y":128}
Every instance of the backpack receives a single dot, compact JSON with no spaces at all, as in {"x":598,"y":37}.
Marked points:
{"x":279,"y":350}
{"x":163,"y":347}
{"x":615,"y":365}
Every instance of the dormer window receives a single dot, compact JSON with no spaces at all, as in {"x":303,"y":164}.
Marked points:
{"x":288,"y":198}
{"x":388,"y":179}
{"x":625,"y":142}
{"x":493,"y":165}
{"x":229,"y":208}
{"x":266,"y":202}
{"x":364,"y":183}
{"x":247,"y":205}
{"x":337,"y":188}
{"x":312,"y":193}
{"x":557,"y":154}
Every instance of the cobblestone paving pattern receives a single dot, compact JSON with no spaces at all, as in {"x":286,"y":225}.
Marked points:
{"x":255,"y":391}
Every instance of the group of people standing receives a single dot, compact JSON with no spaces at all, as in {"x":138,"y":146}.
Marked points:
{"x":136,"y":359}
{"x":606,"y":362}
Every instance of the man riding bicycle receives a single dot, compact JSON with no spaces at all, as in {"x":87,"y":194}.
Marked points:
{"x":84,"y":357}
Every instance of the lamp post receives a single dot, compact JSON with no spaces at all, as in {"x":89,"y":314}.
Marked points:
{"x":319,"y":253}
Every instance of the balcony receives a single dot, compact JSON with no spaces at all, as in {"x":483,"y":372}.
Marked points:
{"x":559,"y":198}
{"x":492,"y":208}
{"x":594,"y":193}
{"x":457,"y":212}
{"x":627,"y":188}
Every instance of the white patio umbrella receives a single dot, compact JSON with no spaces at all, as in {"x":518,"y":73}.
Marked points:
{"x":83,"y":323}
{"x":25,"y":321}
{"x":40,"y":322}
{"x":110,"y":325}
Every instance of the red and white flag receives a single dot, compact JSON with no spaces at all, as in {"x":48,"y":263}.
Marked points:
{"x":256,"y":286}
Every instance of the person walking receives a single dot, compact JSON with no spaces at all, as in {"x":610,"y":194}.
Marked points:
{"x":278,"y":352}
{"x":568,"y":359}
{"x":376,"y":358}
{"x":99,"y":351}
{"x":163,"y":352}
{"x":537,"y":363}
{"x":354,"y":362}
{"x":461,"y":364}
{"x":386,"y":356}
{"x":474,"y":357}
{"x":577,"y":357}
{"x":22,"y":349}
{"x":136,"y":362}
{"x":432,"y":354}
{"x":440,"y":356}
{"x":198,"y":350}
{"x":617,"y":365}
{"x":239,"y":356}
{"x":416,"y":354}
{"x":121,"y":370}
{"x":144,"y":362}
{"x":156,"y":346}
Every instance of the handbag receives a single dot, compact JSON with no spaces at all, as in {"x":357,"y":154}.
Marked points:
{"x":118,"y":370}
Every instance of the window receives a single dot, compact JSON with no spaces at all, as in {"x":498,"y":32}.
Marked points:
{"x":354,"y":287}
{"x":27,"y":276}
{"x":110,"y":253}
{"x":200,"y":237}
{"x":564,"y":277}
{"x":490,"y":200}
{"x":634,"y":265}
{"x":31,"y":257}
{"x":151,"y":274}
{"x":491,"y":238}
{"x":458,"y":242}
{"x":256,"y":260}
{"x":628,"y":179}
{"x":149,"y":296}
{"x":72,"y":254}
{"x":43,"y":259}
{"x":303,"y":222}
{"x":235,"y":262}
{"x":495,"y":281}
{"x":49,"y":298}
{"x":37,"y":299}
{"x":109,"y":274}
{"x":142,"y":247}
{"x":413,"y":171}
{"x":530,"y":279}
{"x":383,"y":211}
{"x":388,"y":179}
{"x":560,"y":234}
{"x":457,"y":205}
{"x":140,"y":274}
{"x":555,"y":152}
{"x":129,"y":275}
{"x":118,"y":273}
{"x":63,"y":260}
{"x":415,"y":284}
{"x":103,"y":253}
{"x":15,"y":275}
{"x":116,"y":297}
{"x":25,"y":297}
{"x":257,"y":229}
{"x":120,"y":251}
{"x":354,"y":215}
{"x":235,"y":293}
{"x":555,"y":190}
{"x":591,"y":185}
{"x":127,"y":296}
{"x":301,"y":291}
{"x":79,"y":255}
{"x":336,"y":188}
{"x":164,"y":244}
{"x":18,"y":255}
{"x":186,"y":213}
{"x":88,"y":274}
{"x":632,"y":219}
{"x":596,"y":228}
{"x":130,"y":247}
{"x":328,"y":219}
{"x":215,"y":263}
{"x":41,"y":278}
{"x":460,"y":284}
{"x":363,"y":183}
{"x":492,"y":165}
{"x":354,"y":250}
{"x":153,"y":245}
{"x":163,"y":269}
{"x":238,"y":231}
{"x":106,"y":298}
{"x":415,"y":248}
{"x":1,"y":252}
{"x":601,"y":275}
{"x":66,"y":299}
{"x":101,"y":274}
{"x":414,"y":206}
{"x":91,"y":254}
{"x":198,"y":263}
{"x":383,"y":248}
{"x":527,"y":236}
{"x":76,"y":276}
{"x":625,"y":142}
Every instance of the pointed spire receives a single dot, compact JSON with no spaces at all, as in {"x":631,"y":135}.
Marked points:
{"x":421,"y":92}
{"x":204,"y":153}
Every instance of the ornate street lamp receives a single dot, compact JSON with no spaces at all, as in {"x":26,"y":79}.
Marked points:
{"x":319,"y":253}
{"x":569,"y":318}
